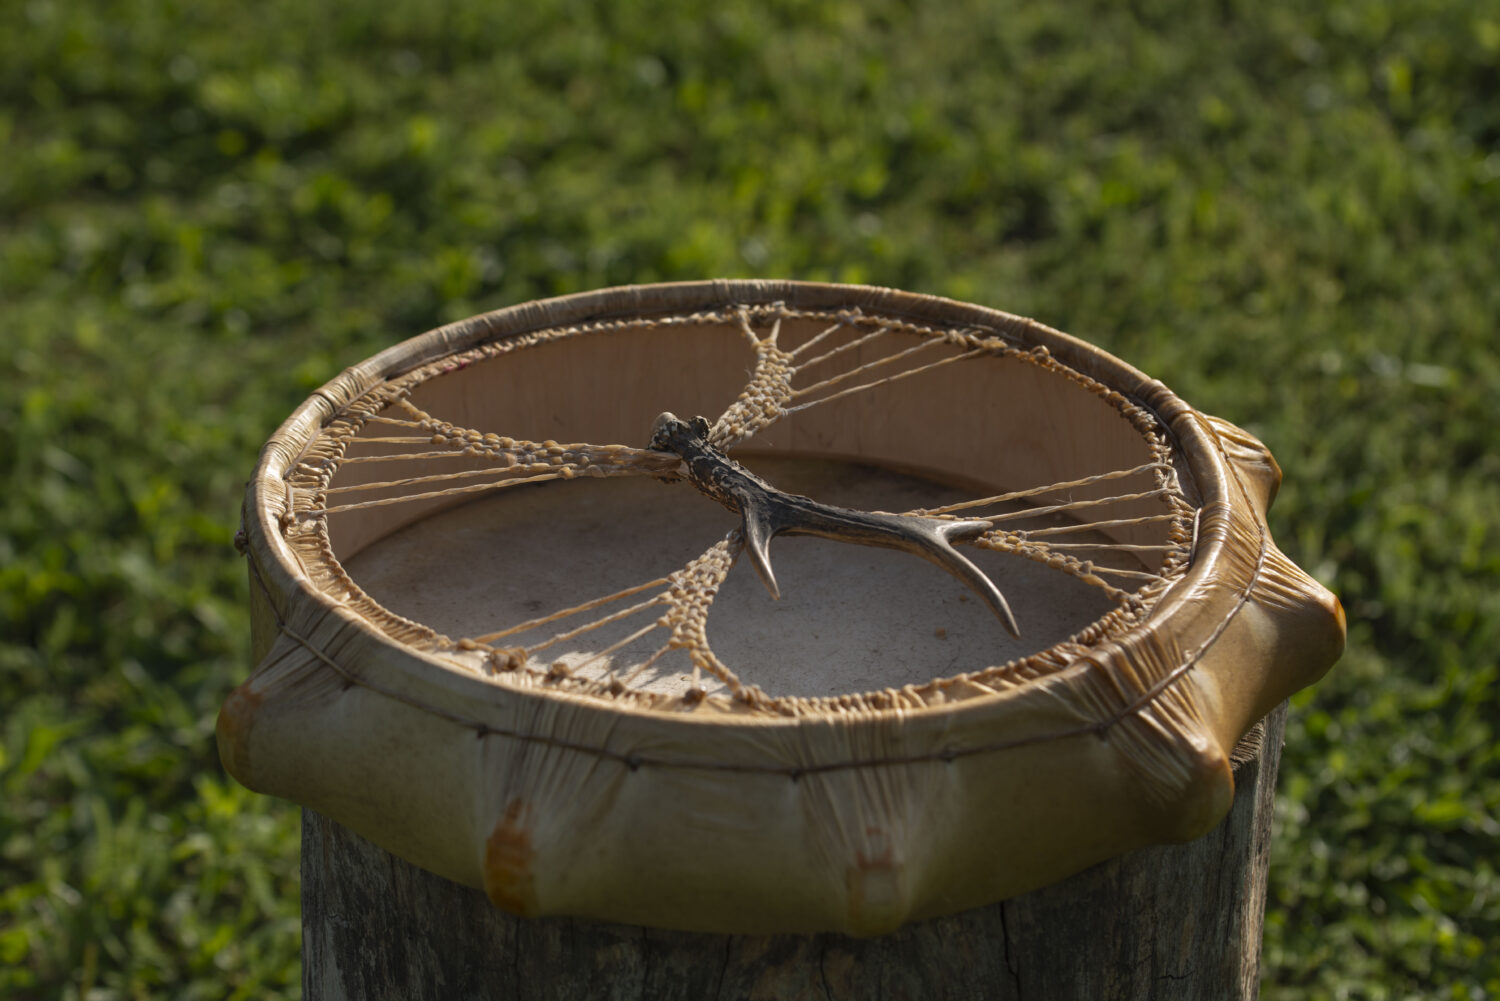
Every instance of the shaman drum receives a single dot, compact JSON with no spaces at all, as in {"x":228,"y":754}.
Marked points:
{"x":516,"y":624}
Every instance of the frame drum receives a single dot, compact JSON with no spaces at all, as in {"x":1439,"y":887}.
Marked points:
{"x":934,"y":606}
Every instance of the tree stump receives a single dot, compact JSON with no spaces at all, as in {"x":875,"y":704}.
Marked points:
{"x":1171,"y":922}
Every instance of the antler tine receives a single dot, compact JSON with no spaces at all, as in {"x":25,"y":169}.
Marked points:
{"x":757,"y":531}
{"x":945,"y":533}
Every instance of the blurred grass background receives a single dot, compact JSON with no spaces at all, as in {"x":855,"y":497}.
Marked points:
{"x":1288,"y":212}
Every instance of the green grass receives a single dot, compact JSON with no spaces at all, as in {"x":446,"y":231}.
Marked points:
{"x":1288,"y":212}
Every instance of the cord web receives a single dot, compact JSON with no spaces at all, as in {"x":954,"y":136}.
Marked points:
{"x":665,"y":618}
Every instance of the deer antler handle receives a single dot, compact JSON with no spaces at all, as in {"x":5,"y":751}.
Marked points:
{"x":766,"y":512}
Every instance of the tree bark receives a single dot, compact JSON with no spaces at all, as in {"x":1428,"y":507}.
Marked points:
{"x":1171,"y":922}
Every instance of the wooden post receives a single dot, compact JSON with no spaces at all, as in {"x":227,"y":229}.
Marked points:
{"x":1173,"y":922}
